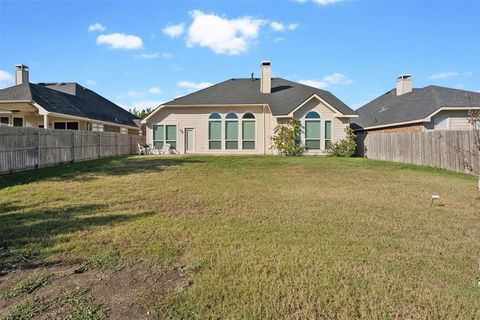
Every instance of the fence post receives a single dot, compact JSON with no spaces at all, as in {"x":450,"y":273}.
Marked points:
{"x":116,"y":138}
{"x":73,"y":146}
{"x":99,"y":148}
{"x":37,"y":162}
{"x":131,"y":144}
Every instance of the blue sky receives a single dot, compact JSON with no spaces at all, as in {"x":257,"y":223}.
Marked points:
{"x":142,"y":53}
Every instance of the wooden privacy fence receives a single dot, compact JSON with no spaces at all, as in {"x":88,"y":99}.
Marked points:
{"x":27,"y":148}
{"x":452,"y":150}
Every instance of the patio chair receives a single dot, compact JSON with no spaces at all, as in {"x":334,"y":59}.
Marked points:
{"x":142,"y":150}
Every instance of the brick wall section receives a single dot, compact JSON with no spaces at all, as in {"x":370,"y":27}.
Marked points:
{"x":415,"y":127}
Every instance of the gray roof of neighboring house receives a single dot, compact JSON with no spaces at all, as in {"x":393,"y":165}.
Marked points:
{"x":70,"y":99}
{"x":416,"y":105}
{"x":284,"y":98}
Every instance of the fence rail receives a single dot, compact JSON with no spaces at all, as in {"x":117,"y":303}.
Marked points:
{"x":452,"y":150}
{"x":28,"y":148}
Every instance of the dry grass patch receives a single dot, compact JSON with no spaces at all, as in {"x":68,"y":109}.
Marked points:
{"x":259,"y":237}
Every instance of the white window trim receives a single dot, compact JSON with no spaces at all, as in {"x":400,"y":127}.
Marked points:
{"x":221,"y":131}
{"x":224,"y":135}
{"x":240,"y":138}
{"x":177,"y":134}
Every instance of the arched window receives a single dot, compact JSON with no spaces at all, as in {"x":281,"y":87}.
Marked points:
{"x":312,"y":130}
{"x":231,"y":131}
{"x":248,"y":131}
{"x":215,"y":131}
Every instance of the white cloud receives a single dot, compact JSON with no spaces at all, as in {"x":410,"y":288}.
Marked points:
{"x":154,"y":90}
{"x":133,"y":94}
{"x":147,"y":56}
{"x":321,"y":2}
{"x":6,"y":79}
{"x":91,"y":82}
{"x":223,"y":35}
{"x":443,"y":75}
{"x":280,"y":26}
{"x":314,"y":83}
{"x":120,"y":41}
{"x":167,"y":55}
{"x":277,"y":26}
{"x":194,"y":85}
{"x":292,"y":26}
{"x":334,"y":78}
{"x":96,"y":27}
{"x":174,"y":30}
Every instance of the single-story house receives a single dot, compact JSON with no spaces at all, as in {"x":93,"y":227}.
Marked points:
{"x":61,"y":106}
{"x":408,"y":109}
{"x":238,"y":116}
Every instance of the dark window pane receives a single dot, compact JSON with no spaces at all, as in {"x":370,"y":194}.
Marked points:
{"x":171,"y":133}
{"x":312,"y":115}
{"x":59,"y":125}
{"x":231,"y":115}
{"x":248,"y":130}
{"x":231,"y":130}
{"x":328,"y":130}
{"x":248,"y":145}
{"x":231,"y":144}
{"x":328,"y":144}
{"x":248,"y":115}
{"x":312,"y":129}
{"x":18,"y":122}
{"x":158,"y":133}
{"x":72,"y":125}
{"x":173,"y":144}
{"x":4,"y":120}
{"x":215,"y":116}
{"x":214,"y":130}
{"x":214,"y":145}
{"x":312,"y":144}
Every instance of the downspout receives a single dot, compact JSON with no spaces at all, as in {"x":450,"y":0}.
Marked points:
{"x":264,"y":136}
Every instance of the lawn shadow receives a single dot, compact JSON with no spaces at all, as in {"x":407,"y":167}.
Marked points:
{"x":26,"y":232}
{"x":89,"y":170}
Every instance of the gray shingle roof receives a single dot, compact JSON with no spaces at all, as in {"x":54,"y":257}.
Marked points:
{"x":416,"y":105}
{"x":285,"y":97}
{"x":70,"y":99}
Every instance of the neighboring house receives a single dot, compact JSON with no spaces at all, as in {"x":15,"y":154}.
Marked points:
{"x":405,"y":109}
{"x":238,"y":116}
{"x":61,"y":106}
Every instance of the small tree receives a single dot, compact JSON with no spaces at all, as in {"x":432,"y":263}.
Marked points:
{"x":345,"y":147}
{"x":286,"y":138}
{"x":141,"y":113}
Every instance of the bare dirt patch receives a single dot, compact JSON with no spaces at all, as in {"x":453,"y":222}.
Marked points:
{"x":130,"y":292}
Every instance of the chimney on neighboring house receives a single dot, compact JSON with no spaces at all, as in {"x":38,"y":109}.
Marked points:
{"x":21,"y":74}
{"x":266,"y":77}
{"x":404,"y":84}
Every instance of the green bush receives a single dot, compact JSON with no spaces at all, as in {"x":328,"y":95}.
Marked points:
{"x":345,"y":147}
{"x":286,"y":138}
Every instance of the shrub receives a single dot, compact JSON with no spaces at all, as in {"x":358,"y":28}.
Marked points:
{"x":286,"y":138}
{"x":345,"y":147}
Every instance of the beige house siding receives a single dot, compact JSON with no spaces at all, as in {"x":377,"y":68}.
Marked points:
{"x":457,"y":120}
{"x":197,"y":118}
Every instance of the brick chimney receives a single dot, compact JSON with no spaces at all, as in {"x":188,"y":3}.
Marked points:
{"x":404,"y":84}
{"x":21,"y":74}
{"x":266,"y":77}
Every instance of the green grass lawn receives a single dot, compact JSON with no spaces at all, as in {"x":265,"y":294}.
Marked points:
{"x":261,"y":237}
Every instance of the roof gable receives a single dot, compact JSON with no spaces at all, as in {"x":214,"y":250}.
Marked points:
{"x":417,"y":105}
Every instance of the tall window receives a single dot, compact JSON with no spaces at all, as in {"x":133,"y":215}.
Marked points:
{"x":214,"y":131}
{"x":4,"y":121}
{"x":165,"y":134}
{"x":248,"y":131}
{"x":231,"y":131}
{"x":18,"y":122}
{"x":328,"y":134}
{"x":312,"y":130}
